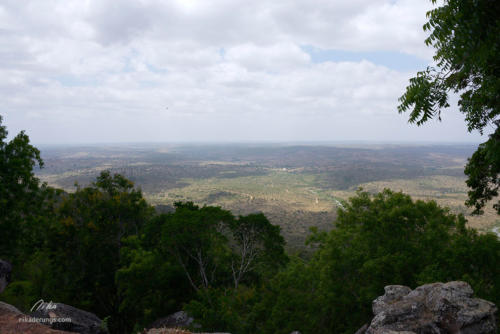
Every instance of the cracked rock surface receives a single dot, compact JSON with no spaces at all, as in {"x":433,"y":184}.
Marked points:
{"x":435,"y":308}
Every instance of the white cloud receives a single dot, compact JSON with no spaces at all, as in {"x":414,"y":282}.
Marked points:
{"x":273,"y":58}
{"x":102,"y":70}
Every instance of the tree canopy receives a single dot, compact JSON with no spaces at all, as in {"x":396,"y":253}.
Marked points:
{"x":380,"y":239}
{"x":465,"y":35}
{"x":85,"y":242}
{"x":19,"y":189}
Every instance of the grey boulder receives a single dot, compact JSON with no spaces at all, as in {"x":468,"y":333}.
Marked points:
{"x":176,"y":320}
{"x":436,"y":308}
{"x":80,"y":321}
{"x":4,"y":307}
{"x":5,"y":272}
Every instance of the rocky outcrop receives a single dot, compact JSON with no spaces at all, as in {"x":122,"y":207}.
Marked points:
{"x":176,"y":320}
{"x":4,"y":307}
{"x":172,"y":331}
{"x":82,"y":322}
{"x":431,"y":309}
{"x":5,"y":271}
{"x":173,"y":324}
{"x":165,"y":331}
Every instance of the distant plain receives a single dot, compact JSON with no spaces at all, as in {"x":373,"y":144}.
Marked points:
{"x":297,"y":186}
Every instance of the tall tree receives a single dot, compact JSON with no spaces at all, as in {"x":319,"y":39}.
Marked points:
{"x":465,"y":35}
{"x":85,"y":243}
{"x":257,"y":246}
{"x":19,"y":189}
{"x":195,"y":237}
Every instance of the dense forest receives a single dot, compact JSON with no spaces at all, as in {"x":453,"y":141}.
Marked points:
{"x":104,"y":249}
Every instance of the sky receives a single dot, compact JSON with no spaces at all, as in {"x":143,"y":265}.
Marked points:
{"x":107,"y":71}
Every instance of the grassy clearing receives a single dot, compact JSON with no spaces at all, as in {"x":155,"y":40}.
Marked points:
{"x":289,"y":200}
{"x":296,"y":190}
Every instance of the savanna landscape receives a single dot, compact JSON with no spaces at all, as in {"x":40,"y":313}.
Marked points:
{"x":296,"y":186}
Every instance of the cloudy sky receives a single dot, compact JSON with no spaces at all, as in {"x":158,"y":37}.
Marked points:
{"x":89,"y":71}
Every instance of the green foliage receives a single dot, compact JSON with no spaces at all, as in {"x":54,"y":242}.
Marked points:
{"x":150,"y":286}
{"x":379,"y":240}
{"x":33,"y":282}
{"x":257,"y":246}
{"x":224,"y":260}
{"x":84,"y":243}
{"x":194,"y":237}
{"x":230,"y":310}
{"x":465,"y":36}
{"x":213,"y":248}
{"x":20,"y":293}
{"x":104,"y":324}
{"x":26,"y":210}
{"x":290,"y":301}
{"x":483,"y":170}
{"x":20,"y":193}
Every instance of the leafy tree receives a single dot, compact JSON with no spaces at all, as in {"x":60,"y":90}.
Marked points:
{"x":84,"y":244}
{"x":483,"y":170}
{"x":225,"y":309}
{"x":224,"y":260}
{"x":465,"y":36}
{"x":215,"y":249}
{"x":195,"y":238}
{"x":257,"y":246}
{"x":150,"y":285}
{"x":27,"y":208}
{"x":20,"y":194}
{"x":291,"y":301}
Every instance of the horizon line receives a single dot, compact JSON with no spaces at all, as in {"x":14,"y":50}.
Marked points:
{"x":260,"y":142}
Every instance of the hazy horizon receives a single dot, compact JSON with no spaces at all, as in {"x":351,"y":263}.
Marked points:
{"x":260,"y":142}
